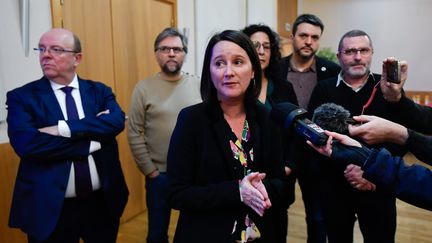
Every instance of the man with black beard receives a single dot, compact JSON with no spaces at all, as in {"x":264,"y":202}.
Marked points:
{"x":155,"y":104}
{"x":304,"y":70}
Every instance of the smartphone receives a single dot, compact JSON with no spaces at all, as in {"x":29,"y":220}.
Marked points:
{"x":393,"y":68}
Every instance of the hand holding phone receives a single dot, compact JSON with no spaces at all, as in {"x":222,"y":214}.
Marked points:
{"x":393,"y":69}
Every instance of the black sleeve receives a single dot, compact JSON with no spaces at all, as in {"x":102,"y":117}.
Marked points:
{"x":420,"y":145}
{"x":413,"y":115}
{"x":283,"y":91}
{"x":317,"y":98}
{"x":183,"y":163}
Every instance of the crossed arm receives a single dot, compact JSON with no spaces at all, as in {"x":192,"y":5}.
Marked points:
{"x":34,"y":136}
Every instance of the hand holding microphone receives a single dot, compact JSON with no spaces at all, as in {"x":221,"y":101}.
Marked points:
{"x":293,"y":118}
{"x":336,"y":120}
{"x":378,"y":130}
{"x":328,"y":116}
{"x":342,"y":148}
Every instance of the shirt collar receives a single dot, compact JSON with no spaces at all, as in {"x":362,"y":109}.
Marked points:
{"x":312,"y":68}
{"x":74,"y":84}
{"x":340,"y":79}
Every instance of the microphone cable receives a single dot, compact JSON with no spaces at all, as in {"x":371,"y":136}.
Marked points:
{"x":368,"y":103}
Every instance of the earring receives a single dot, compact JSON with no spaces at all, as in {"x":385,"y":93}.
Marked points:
{"x":253,"y":81}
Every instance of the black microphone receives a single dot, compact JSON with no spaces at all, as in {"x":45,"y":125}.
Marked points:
{"x":336,"y":118}
{"x":290,"y":116}
{"x":332,"y":117}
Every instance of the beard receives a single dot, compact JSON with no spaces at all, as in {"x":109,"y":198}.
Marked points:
{"x":305,"y":56}
{"x":358,"y":73}
{"x":171,"y":70}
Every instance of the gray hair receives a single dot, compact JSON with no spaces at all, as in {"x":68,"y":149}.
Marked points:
{"x":354,"y":33}
{"x":170,"y":32}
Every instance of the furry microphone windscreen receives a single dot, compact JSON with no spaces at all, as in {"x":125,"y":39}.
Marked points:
{"x":332,"y":117}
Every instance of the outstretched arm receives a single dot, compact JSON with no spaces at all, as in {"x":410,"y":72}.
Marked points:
{"x":410,"y":183}
{"x":375,"y":130}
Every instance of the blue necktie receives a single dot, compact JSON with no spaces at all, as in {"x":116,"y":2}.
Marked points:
{"x":83,"y":185}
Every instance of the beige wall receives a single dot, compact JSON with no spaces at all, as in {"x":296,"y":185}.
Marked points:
{"x":15,"y":68}
{"x":397,"y":27}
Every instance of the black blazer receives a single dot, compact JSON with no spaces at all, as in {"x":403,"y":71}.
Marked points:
{"x":203,"y":173}
{"x":283,"y":91}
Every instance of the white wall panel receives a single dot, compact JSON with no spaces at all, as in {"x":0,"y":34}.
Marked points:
{"x":398,"y":28}
{"x":15,"y":68}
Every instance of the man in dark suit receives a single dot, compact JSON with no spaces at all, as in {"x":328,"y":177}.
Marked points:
{"x":70,"y":184}
{"x":304,"y":70}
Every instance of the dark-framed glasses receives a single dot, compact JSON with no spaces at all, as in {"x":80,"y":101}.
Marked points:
{"x":167,"y":49}
{"x":354,"y":51}
{"x":53,"y":51}
{"x":265,"y":45}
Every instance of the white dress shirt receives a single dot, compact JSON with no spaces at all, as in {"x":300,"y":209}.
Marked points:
{"x":64,"y":131}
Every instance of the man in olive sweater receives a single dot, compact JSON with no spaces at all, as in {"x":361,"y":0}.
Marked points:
{"x":155,"y":104}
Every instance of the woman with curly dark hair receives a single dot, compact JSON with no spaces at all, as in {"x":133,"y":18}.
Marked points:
{"x":266,"y":42}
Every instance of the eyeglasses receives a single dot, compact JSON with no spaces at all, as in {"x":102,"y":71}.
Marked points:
{"x":258,"y":45}
{"x":167,"y":49}
{"x":53,"y":51}
{"x":354,"y":51}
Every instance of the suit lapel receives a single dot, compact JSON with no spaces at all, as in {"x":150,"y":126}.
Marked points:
{"x":222,"y":132}
{"x":87,"y":94}
{"x":222,"y":135}
{"x":49,"y":99}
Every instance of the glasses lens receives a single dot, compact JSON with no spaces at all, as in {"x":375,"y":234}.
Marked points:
{"x":53,"y":51}
{"x":266,"y":46}
{"x":256,"y":44}
{"x":353,"y":51}
{"x":167,"y":49}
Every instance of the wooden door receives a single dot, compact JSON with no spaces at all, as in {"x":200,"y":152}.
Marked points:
{"x":135,"y":26}
{"x":117,"y":38}
{"x":286,"y":14}
{"x":8,"y":172}
{"x":91,"y":22}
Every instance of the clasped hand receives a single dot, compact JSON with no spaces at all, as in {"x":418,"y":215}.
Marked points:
{"x":254,"y":193}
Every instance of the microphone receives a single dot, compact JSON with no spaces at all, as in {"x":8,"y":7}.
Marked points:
{"x":332,"y":117}
{"x":290,"y":116}
{"x":336,"y":118}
